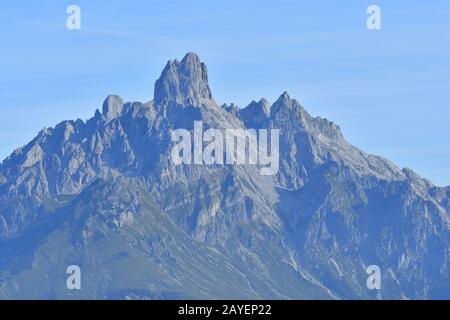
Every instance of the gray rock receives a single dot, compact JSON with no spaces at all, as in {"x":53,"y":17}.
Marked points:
{"x":184,"y":82}
{"x":105,"y":195}
{"x":112,"y":106}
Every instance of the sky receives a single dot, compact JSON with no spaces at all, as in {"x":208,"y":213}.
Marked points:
{"x":388,"y":89}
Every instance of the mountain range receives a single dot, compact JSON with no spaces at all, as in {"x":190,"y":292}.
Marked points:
{"x":103,"y":194}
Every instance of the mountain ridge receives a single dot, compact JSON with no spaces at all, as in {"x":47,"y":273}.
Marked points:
{"x":329,"y":212}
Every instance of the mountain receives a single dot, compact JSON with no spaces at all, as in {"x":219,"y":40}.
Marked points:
{"x":106,"y":196}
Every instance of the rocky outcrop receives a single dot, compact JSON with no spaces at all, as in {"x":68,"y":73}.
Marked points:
{"x":183,"y":82}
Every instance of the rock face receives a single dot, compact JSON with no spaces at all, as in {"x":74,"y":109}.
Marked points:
{"x":256,"y":113}
{"x":105,"y":195}
{"x":112,"y":107}
{"x":185,"y":82}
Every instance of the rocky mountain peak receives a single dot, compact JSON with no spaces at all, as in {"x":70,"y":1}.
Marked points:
{"x":108,"y":190}
{"x":183,"y":82}
{"x":265,"y":106}
{"x":256,"y":113}
{"x":284,"y":100}
{"x":112,"y":106}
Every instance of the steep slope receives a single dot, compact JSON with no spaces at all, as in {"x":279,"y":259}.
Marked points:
{"x":104,"y":194}
{"x":127,"y":247}
{"x":344,"y":210}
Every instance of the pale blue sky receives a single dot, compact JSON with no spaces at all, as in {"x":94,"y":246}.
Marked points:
{"x":389,"y":90}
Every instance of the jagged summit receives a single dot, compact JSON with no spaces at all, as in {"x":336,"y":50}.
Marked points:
{"x":284,"y":101}
{"x":112,"y":106}
{"x":256,"y":113}
{"x":107,"y":190}
{"x":183,"y":82}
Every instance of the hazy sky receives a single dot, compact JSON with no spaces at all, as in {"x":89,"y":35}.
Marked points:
{"x":389,"y":90}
